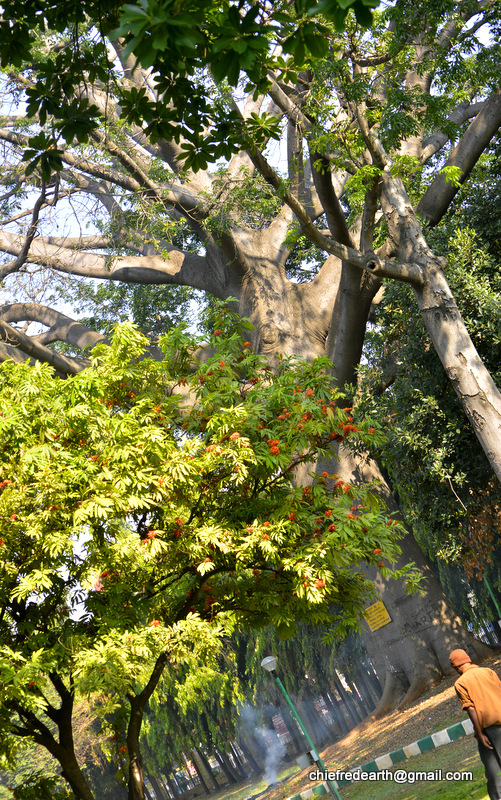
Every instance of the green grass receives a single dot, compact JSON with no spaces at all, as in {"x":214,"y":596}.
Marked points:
{"x":459,"y":756}
{"x":253,"y":787}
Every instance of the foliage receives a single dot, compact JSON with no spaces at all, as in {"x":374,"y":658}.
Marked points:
{"x":178,"y":41}
{"x":134,"y":524}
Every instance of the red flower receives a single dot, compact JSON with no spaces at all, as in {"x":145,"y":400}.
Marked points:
{"x":235,"y":436}
{"x":154,"y":623}
{"x":325,"y":474}
{"x":309,"y":392}
{"x":377,"y":550}
{"x":265,"y":536}
{"x":247,"y":344}
{"x":217,"y":333}
{"x":381,"y":564}
{"x":319,"y":583}
{"x":266,"y":524}
{"x":328,"y":513}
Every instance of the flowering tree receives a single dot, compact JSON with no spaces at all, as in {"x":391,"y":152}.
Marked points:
{"x":145,"y":508}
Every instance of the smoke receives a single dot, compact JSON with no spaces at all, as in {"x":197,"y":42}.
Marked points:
{"x":267,"y":736}
{"x":275,"y":751}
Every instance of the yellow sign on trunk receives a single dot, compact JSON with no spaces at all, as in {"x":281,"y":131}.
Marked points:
{"x":376,"y":615}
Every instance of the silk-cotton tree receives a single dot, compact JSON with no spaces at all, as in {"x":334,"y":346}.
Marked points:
{"x":377,"y":132}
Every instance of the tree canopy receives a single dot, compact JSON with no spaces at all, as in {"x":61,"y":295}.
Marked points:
{"x":136,"y":529}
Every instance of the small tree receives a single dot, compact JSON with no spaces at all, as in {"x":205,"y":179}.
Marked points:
{"x":146,"y":508}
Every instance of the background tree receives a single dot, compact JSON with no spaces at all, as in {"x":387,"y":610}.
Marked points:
{"x":380,"y":127}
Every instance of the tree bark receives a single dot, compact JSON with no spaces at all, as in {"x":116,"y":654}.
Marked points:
{"x":348,"y":702}
{"x":411,"y":653}
{"x":159,"y":790}
{"x":201,"y":771}
{"x":257,"y":770}
{"x":479,"y":395}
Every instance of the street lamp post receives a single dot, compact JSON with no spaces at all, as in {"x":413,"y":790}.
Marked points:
{"x":270,"y":664}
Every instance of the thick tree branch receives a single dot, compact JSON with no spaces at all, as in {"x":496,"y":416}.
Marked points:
{"x":432,"y":144}
{"x":331,"y":206}
{"x":171,"y":194}
{"x":63,"y":364}
{"x":61,"y":327}
{"x":465,"y":155}
{"x":182,"y":269}
{"x":373,"y":264}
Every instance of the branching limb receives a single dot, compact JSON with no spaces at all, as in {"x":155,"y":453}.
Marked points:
{"x":372,"y":263}
{"x":335,"y":215}
{"x":176,"y":267}
{"x":172,"y":194}
{"x":437,"y":140}
{"x":61,"y":327}
{"x":465,"y":155}
{"x":367,"y":222}
{"x":15,"y":266}
{"x":63,"y":364}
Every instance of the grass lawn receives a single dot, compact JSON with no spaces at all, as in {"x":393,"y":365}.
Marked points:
{"x":460,"y":756}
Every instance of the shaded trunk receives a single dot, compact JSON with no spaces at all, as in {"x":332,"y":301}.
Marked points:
{"x":204,"y":761}
{"x":364,"y":708}
{"x":297,"y":736}
{"x":172,"y":784}
{"x":158,"y":788}
{"x":367,"y":693}
{"x":226,"y":767}
{"x":348,"y":703}
{"x":336,"y":713}
{"x":238,"y":762}
{"x":72,"y":773}
{"x":249,"y":756}
{"x":136,"y":779}
{"x":411,"y":653}
{"x":206,"y":777}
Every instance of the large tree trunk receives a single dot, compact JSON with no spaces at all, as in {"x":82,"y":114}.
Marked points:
{"x":411,"y":653}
